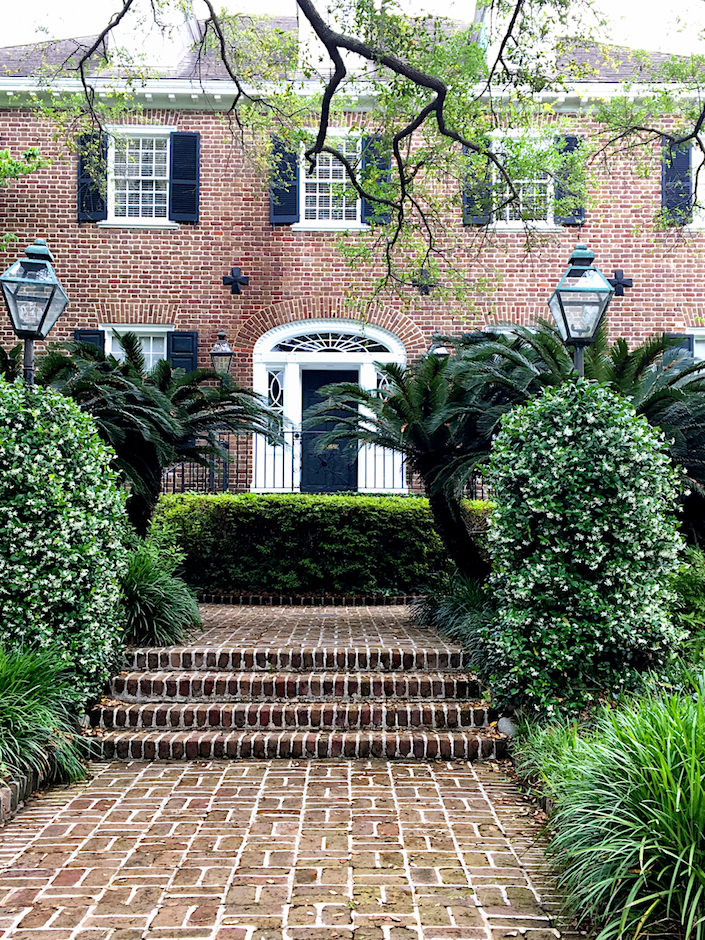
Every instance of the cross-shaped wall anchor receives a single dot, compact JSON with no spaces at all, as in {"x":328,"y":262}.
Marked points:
{"x":424,"y":282}
{"x":619,"y":282}
{"x":236,"y":279}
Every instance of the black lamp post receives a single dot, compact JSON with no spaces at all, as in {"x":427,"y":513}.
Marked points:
{"x":222,"y":354}
{"x":34,"y":299}
{"x":579,"y":302}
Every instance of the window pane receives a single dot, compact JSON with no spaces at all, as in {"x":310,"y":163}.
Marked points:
{"x":326,"y":197}
{"x":140,"y":173}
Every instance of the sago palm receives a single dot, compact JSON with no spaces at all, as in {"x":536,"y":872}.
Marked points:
{"x":423,"y":413}
{"x":152,"y":419}
{"x":662,"y":381}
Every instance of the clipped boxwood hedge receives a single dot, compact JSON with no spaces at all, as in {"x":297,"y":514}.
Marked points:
{"x":303,"y":544}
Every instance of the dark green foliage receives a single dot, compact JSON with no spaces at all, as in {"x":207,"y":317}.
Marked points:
{"x":37,"y":730}
{"x":160,"y":608}
{"x":424,"y":413}
{"x":11,"y":363}
{"x":629,"y":814}
{"x":689,"y":607}
{"x":151,"y":419}
{"x":304,"y":544}
{"x":463,"y":609}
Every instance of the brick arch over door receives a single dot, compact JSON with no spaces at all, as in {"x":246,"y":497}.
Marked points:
{"x":313,"y":308}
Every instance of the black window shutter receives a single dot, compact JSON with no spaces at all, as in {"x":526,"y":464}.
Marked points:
{"x":676,"y":183}
{"x":182,"y":349}
{"x":92,"y":158}
{"x":94,"y":337}
{"x":184,"y":173}
{"x":575,"y":214}
{"x":477,"y":194}
{"x":375,"y":157}
{"x":685,"y":341}
{"x":284,"y":187}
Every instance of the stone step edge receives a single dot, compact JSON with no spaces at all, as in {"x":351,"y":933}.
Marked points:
{"x":291,"y":659}
{"x":209,"y":745}
{"x":311,"y":686}
{"x":390,"y":716}
{"x":309,"y":600}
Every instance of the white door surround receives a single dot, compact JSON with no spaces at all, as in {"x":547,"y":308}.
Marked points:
{"x":280,"y":356}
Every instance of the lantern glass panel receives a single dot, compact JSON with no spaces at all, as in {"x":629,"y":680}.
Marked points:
{"x":221,"y":362}
{"x":33,"y":296}
{"x":578,"y":304}
{"x":554,"y":305}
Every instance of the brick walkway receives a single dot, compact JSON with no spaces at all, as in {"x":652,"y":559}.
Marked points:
{"x":286,"y":849}
{"x":277,"y":850}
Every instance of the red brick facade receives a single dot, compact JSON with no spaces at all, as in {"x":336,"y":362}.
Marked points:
{"x":175,"y":275}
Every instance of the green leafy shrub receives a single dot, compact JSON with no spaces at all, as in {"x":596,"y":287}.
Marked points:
{"x":584,"y":543}
{"x":37,"y":729}
{"x":304,"y":544}
{"x":61,"y":532}
{"x":689,"y":605}
{"x":629,"y":814}
{"x":160,"y":608}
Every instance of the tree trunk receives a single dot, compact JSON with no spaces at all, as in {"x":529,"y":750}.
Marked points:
{"x":449,"y":519}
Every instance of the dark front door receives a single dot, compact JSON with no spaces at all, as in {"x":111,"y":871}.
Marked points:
{"x":335,"y":468}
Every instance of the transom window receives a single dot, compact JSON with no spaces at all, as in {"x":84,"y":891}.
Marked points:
{"x":327,"y":193}
{"x":152,"y":339}
{"x":325,"y":342}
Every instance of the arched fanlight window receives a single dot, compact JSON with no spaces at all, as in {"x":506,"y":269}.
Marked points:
{"x":324,"y":341}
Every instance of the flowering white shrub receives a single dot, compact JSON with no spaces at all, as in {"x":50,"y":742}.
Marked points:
{"x":61,"y":533}
{"x":584,"y":541}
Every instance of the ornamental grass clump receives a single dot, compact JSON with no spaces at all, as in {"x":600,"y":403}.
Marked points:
{"x":62,"y":526}
{"x":37,"y":730}
{"x":160,"y":608}
{"x":584,"y":543}
{"x":629,"y":817}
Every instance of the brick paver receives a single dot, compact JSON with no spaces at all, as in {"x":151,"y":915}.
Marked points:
{"x":315,"y":627}
{"x":285,"y":849}
{"x":277,"y":850}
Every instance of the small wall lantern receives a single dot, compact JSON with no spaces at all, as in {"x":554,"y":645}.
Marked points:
{"x":222,"y":354}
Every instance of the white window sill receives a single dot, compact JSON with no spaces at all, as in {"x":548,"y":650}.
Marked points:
{"x":136,"y":223}
{"x":329,"y":227}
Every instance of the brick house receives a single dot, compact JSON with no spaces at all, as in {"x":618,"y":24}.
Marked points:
{"x":184,"y":205}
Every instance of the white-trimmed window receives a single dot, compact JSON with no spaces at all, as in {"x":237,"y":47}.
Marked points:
{"x":327,"y":198}
{"x":138,"y":175}
{"x":534,"y":193}
{"x":698,"y":335}
{"x":153,"y":340}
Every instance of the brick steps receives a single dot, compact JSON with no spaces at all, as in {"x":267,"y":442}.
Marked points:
{"x":281,"y":694}
{"x":313,"y":686}
{"x":303,"y":659}
{"x":271,"y":716}
{"x":189,"y":745}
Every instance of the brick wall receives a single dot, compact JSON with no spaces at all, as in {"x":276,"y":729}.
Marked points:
{"x":175,"y":275}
